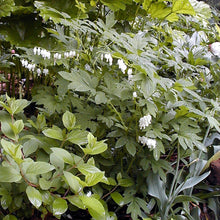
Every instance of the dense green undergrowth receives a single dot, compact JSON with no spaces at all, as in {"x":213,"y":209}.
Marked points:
{"x":116,"y":107}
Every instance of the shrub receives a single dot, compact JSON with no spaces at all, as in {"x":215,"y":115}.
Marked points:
{"x":147,"y":86}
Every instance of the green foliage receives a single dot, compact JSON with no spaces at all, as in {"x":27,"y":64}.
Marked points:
{"x":6,"y":7}
{"x":131,"y":97}
{"x":53,"y":170}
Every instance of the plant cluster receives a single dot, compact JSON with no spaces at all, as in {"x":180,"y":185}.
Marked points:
{"x":125,"y":105}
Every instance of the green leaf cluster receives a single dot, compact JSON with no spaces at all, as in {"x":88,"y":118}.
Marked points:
{"x":40,"y":180}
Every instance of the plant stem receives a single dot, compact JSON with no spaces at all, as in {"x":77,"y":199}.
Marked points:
{"x":110,"y":192}
{"x":133,"y":159}
{"x":119,"y":115}
{"x":138,"y":7}
{"x":176,"y":173}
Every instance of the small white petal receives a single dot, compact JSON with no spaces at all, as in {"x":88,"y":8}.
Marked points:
{"x":135,"y":94}
{"x":38,"y":71}
{"x":129,"y":71}
{"x":145,"y":121}
{"x":35,"y":50}
{"x":122,"y":65}
{"x":45,"y":71}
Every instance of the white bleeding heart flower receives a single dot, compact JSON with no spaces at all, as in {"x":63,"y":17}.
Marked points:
{"x":215,"y":48}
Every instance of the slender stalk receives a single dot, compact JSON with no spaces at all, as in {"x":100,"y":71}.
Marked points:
{"x":119,"y":115}
{"x":176,"y":173}
{"x":136,"y":12}
{"x":133,"y":159}
{"x":110,"y":192}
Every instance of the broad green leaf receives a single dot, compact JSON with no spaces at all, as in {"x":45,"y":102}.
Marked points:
{"x":40,"y":168}
{"x":9,"y":217}
{"x":202,"y":9}
{"x":6,"y":7}
{"x":46,"y":197}
{"x":94,"y":206}
{"x":156,"y":189}
{"x":125,"y":182}
{"x":54,"y":132}
{"x":77,"y":136}
{"x":191,"y":182}
{"x":17,"y":126}
{"x":172,"y":17}
{"x":94,"y":178}
{"x":18,"y":105}
{"x":146,"y":4}
{"x":13,"y":150}
{"x":183,"y":7}
{"x":6,"y":107}
{"x":116,"y":5}
{"x":81,"y":80}
{"x":147,"y":87}
{"x":56,"y":161}
{"x":94,"y":147}
{"x":121,"y":142}
{"x":75,"y":200}
{"x":63,"y":155}
{"x":100,"y":98}
{"x":110,"y":20}
{"x":156,"y":153}
{"x":111,"y":181}
{"x":69,"y":120}
{"x":131,"y":148}
{"x":44,"y":184}
{"x":34,"y":196}
{"x":87,"y":169}
{"x":158,"y":10}
{"x":213,"y":122}
{"x":73,"y":181}
{"x":48,"y":12}
{"x":40,"y":123}
{"x":59,"y":206}
{"x":31,"y":146}
{"x":9,"y":175}
{"x":7,"y":130}
{"x":117,"y":197}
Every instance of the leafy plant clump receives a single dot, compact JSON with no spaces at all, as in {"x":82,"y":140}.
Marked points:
{"x":144,"y":82}
{"x":37,"y":169}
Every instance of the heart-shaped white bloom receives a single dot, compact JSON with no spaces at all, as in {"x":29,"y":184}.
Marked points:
{"x":215,"y":48}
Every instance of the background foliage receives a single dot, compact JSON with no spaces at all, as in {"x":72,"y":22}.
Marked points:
{"x":92,"y":70}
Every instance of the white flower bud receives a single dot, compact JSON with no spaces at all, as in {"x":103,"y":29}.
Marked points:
{"x":135,"y":94}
